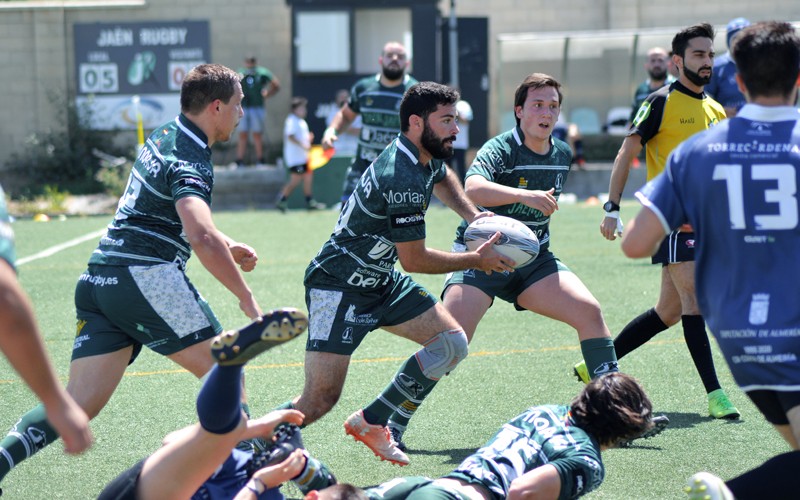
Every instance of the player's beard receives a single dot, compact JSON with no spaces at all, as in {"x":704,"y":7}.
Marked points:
{"x":436,"y":145}
{"x":695,"y":77}
{"x":657,"y":74}
{"x":393,"y":73}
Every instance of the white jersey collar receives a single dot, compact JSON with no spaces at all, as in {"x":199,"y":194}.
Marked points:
{"x":760,"y":113}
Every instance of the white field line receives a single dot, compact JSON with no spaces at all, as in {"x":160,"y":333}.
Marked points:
{"x":63,"y":246}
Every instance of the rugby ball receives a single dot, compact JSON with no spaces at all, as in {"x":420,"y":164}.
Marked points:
{"x":517,"y":240}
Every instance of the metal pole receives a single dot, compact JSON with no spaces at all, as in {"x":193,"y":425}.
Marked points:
{"x":453,"y":45}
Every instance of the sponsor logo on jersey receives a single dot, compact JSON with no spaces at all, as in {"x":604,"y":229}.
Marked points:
{"x":378,"y":137}
{"x":358,"y":319}
{"x":690,"y":243}
{"x":759,"y":129}
{"x":752,"y":147}
{"x":748,"y":238}
{"x":642,"y":114}
{"x":381,"y":250}
{"x":347,"y":336}
{"x":524,"y":211}
{"x":759,"y":308}
{"x":407,"y":197}
{"x":408,"y":220}
{"x":366,"y":279}
{"x":106,"y":240}
{"x":686,"y":121}
{"x":195,"y":182}
{"x":148,"y":160}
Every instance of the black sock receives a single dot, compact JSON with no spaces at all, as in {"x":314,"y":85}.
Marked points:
{"x":694,"y":331}
{"x":772,"y":479}
{"x":636,"y":333}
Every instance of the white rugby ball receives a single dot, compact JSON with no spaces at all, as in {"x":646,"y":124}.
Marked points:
{"x":517,"y":240}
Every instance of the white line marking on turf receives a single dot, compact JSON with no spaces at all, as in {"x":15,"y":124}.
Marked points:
{"x":63,"y":246}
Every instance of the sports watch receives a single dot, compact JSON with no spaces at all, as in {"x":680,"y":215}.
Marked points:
{"x":610,"y":206}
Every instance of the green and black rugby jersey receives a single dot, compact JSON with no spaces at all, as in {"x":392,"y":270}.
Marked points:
{"x":379,"y":107}
{"x":175,"y":162}
{"x":506,"y":160}
{"x":388,"y":206}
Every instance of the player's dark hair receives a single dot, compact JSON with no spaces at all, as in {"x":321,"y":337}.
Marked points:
{"x":298,"y":101}
{"x":423,"y":99}
{"x":205,"y":84}
{"x":342,"y":491}
{"x":534,"y":81}
{"x":767,"y":57}
{"x":613,"y":407}
{"x":681,"y":40}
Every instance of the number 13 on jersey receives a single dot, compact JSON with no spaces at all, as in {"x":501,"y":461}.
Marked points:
{"x":781,"y":190}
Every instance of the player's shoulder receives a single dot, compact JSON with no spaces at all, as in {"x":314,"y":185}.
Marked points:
{"x":561,"y":148}
{"x":662,"y":94}
{"x":367,"y":82}
{"x":502,"y":144}
{"x":715,"y":106}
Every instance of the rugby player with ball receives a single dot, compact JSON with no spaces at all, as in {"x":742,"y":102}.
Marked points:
{"x":520,"y":174}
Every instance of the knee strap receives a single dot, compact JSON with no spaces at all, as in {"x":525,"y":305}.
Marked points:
{"x":442,"y":353}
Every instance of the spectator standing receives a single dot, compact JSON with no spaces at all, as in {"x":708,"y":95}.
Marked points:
{"x":296,"y":145}
{"x":258,"y":84}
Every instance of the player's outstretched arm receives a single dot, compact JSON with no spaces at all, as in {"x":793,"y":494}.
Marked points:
{"x":341,"y":122}
{"x":631,"y":147}
{"x":211,"y":247}
{"x":22,"y":344}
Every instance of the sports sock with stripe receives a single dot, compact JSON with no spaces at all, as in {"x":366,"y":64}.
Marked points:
{"x":407,"y":385}
{"x":28,"y":436}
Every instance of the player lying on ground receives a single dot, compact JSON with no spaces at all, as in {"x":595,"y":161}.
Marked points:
{"x":201,"y":461}
{"x":550,"y":451}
